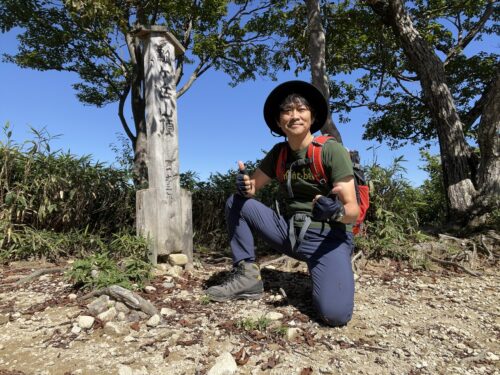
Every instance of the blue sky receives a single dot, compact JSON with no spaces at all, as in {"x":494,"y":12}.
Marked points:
{"x":218,"y":124}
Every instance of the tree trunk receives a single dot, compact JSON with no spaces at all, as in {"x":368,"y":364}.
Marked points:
{"x":139,"y":115}
{"x":317,"y":53}
{"x":489,"y":147}
{"x":455,"y":153}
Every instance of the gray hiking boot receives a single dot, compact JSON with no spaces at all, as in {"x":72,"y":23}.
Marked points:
{"x":243,"y":283}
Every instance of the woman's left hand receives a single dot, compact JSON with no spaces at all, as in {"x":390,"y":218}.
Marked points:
{"x":325,"y":208}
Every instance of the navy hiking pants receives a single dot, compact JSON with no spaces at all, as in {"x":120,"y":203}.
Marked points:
{"x":327,"y":253}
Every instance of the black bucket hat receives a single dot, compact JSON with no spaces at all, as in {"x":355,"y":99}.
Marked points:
{"x":309,"y":92}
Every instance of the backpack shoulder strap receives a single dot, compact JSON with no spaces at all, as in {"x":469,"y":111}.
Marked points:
{"x":314,"y":155}
{"x":281,"y":164}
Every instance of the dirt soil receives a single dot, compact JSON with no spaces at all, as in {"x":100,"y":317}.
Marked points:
{"x":405,"y":322}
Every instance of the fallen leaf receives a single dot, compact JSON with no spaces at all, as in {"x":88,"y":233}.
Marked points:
{"x":135,"y":326}
{"x":166,"y":353}
{"x":98,"y":323}
{"x":185,"y":323}
{"x":306,"y":371}
{"x":386,"y":277}
{"x":309,"y":338}
{"x":271,"y":363}
{"x":256,"y":335}
{"x":187,"y":342}
{"x":241,"y":357}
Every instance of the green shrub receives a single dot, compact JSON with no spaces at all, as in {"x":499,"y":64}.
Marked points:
{"x":435,"y":207}
{"x":52,"y":190}
{"x":392,"y":223}
{"x":23,"y":242}
{"x":55,"y":204}
{"x":249,"y":324}
{"x":100,"y":270}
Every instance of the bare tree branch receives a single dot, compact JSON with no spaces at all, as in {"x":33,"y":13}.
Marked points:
{"x":408,"y":92}
{"x":380,"y":86}
{"x":402,"y":77}
{"x":121,"y":105}
{"x":463,"y":42}
{"x":200,"y":69}
{"x":470,"y":117}
{"x":186,"y":40}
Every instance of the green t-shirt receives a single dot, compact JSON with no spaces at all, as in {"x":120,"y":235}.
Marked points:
{"x":336,"y":163}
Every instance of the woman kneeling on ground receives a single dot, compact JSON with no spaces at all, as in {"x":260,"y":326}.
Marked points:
{"x":317,"y":223}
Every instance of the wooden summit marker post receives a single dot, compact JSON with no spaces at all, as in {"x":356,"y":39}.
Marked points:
{"x":164,"y":209}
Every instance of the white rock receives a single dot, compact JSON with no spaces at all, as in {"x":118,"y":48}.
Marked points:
{"x":4,"y":318}
{"x":292,"y":333}
{"x":108,"y":315}
{"x":150,"y":289}
{"x":326,"y":370}
{"x":153,"y":321}
{"x":141,"y":371}
{"x":492,"y":357}
{"x":125,"y":370}
{"x":76,"y":330}
{"x":99,"y":305}
{"x":371,"y":333}
{"x":184,"y":294}
{"x":168,"y":285}
{"x":72,"y":296}
{"x":165,"y":311}
{"x":129,"y":339}
{"x":224,"y":365}
{"x":178,"y":259}
{"x":85,"y":321}
{"x":121,"y":316}
{"x":158,"y":272}
{"x":116,"y":329}
{"x":274,"y":315}
{"x":121,"y":307}
{"x":175,"y":271}
{"x":163,"y":266}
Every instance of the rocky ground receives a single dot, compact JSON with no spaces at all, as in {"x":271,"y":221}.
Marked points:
{"x":405,"y":322}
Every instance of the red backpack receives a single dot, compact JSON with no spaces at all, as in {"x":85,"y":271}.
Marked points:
{"x":316,"y":165}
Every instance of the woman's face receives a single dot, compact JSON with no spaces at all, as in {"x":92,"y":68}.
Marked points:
{"x":295,"y":119}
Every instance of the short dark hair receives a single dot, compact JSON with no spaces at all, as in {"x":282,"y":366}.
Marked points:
{"x":295,"y":99}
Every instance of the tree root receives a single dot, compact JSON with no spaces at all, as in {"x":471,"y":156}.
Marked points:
{"x":491,"y":254}
{"x":126,"y":296}
{"x":359,"y":255}
{"x":454,"y":264}
{"x":39,"y":273}
{"x":471,"y":249}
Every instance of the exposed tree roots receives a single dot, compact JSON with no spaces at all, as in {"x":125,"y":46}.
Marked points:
{"x":39,"y":273}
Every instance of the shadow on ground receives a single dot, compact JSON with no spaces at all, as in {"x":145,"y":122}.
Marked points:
{"x":295,"y":286}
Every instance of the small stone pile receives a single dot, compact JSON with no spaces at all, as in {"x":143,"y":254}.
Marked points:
{"x":117,"y":317}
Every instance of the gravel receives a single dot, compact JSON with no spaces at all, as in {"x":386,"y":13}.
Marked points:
{"x":405,"y":322}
